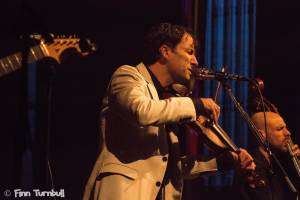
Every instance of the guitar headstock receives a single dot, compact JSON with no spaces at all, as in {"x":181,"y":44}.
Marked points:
{"x":57,"y":45}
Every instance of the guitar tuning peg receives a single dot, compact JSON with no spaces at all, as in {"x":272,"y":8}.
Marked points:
{"x":35,"y":36}
{"x":87,"y":46}
{"x":48,"y":37}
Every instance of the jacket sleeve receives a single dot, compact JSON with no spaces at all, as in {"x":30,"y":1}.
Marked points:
{"x":192,"y":168}
{"x":136,"y":99}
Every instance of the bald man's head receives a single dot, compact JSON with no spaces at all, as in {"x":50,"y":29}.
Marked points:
{"x":277,"y":131}
{"x":259,"y":119}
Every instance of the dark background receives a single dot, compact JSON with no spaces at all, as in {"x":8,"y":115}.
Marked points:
{"x":277,"y":57}
{"x":78,"y":84}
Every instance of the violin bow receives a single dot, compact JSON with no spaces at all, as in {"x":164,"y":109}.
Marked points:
{"x":217,"y":92}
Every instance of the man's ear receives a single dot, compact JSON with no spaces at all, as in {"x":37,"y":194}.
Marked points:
{"x":263,"y":133}
{"x":164,"y":51}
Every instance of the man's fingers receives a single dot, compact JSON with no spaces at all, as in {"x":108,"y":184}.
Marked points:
{"x":246,"y":160}
{"x":212,"y":108}
{"x":296,"y":150}
{"x":249,"y":165}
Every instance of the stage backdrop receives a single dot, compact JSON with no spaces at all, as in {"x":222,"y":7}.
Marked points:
{"x":226,"y":29}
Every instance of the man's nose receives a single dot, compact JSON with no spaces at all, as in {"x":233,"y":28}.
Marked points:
{"x":194,"y":61}
{"x":287,"y":132}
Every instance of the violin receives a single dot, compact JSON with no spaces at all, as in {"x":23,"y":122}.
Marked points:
{"x":209,"y":131}
{"x":213,"y":135}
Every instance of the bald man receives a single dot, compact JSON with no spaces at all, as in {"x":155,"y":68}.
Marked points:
{"x":277,"y":132}
{"x":277,"y":136}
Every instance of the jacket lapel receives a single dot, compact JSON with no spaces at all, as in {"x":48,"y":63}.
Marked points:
{"x":144,"y":72}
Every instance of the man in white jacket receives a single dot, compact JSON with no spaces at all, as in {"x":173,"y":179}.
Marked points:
{"x":136,"y":146}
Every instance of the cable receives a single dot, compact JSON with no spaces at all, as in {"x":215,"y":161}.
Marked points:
{"x":49,"y":109}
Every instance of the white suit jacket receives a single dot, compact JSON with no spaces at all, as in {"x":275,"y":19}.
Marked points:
{"x":134,"y":140}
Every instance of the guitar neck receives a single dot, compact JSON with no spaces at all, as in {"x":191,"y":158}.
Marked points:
{"x":13,"y":62}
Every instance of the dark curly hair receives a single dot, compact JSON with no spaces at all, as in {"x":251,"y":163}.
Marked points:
{"x":164,"y":33}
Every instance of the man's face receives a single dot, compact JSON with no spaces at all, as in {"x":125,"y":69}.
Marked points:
{"x":182,"y":60}
{"x":277,"y":132}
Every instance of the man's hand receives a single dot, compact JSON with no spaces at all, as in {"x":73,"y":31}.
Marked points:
{"x":211,"y":108}
{"x":244,"y":160}
{"x":247,"y":167}
{"x":296,"y":150}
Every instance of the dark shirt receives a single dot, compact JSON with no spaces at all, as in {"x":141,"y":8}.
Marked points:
{"x":166,"y":92}
{"x":160,"y":89}
{"x":275,"y":184}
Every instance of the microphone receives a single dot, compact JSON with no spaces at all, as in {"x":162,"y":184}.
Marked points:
{"x":207,"y":74}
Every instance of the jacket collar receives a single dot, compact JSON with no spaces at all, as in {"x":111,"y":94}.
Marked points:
{"x":145,"y":73}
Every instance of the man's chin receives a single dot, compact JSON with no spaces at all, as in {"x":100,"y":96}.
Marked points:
{"x":184,"y":81}
{"x":281,"y":150}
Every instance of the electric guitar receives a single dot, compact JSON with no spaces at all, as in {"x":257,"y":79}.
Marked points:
{"x":51,"y":49}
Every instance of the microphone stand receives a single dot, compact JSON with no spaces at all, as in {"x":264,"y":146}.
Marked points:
{"x":257,"y":134}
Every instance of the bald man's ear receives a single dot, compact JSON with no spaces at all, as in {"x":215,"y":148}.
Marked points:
{"x":263,"y":133}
